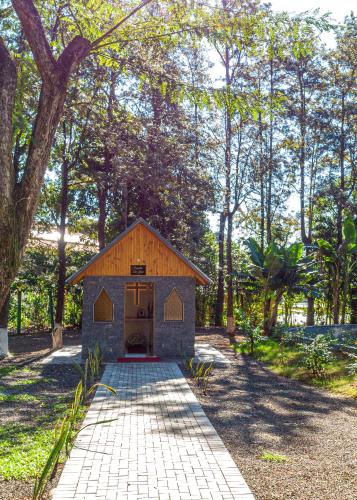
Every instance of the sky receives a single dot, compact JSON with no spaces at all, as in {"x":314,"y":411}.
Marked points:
{"x":338,"y":8}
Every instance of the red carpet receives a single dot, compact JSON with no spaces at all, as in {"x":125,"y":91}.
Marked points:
{"x":147,"y":359}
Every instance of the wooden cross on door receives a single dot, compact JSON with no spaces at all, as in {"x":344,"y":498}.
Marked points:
{"x":136,"y":288}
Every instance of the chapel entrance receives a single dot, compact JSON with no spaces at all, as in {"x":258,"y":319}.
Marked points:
{"x":138,"y":322}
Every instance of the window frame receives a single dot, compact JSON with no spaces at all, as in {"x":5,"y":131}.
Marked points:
{"x":183,"y":308}
{"x":93,"y":306}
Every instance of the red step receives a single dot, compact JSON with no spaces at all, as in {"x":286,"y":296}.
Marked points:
{"x":147,"y":359}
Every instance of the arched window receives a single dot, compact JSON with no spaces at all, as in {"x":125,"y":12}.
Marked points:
{"x":103,"y":308}
{"x":173,"y":307}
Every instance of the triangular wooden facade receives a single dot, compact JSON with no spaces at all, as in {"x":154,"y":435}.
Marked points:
{"x":140,"y":245}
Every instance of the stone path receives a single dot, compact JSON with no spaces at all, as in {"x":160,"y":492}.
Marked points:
{"x":160,"y":446}
{"x":208,"y":354}
{"x":64,"y":356}
{"x":67,"y":355}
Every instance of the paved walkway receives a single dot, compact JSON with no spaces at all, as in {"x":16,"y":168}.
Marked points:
{"x":69,"y":354}
{"x":208,"y":354}
{"x":160,"y":446}
{"x":65,"y":356}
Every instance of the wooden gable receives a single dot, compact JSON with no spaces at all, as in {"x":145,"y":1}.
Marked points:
{"x":140,"y":245}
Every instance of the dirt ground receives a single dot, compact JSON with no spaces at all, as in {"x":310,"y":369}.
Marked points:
{"x":26,"y":347}
{"x":255,"y":411}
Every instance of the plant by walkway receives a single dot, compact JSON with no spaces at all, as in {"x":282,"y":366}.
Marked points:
{"x":67,"y":430}
{"x":201,"y":373}
{"x":312,"y":364}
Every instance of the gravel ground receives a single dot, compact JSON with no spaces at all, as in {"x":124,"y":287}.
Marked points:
{"x":254,"y":410}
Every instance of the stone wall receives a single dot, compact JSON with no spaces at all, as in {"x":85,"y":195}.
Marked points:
{"x":170,"y":339}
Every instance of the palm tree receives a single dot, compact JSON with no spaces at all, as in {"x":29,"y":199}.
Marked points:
{"x":340,"y":263}
{"x":278,"y":270}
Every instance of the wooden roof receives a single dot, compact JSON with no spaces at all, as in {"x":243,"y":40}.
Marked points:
{"x":140,"y":244}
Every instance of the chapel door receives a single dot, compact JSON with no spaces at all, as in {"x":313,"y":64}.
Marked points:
{"x":138,"y":322}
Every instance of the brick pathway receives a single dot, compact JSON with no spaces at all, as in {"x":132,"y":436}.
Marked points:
{"x":160,"y":446}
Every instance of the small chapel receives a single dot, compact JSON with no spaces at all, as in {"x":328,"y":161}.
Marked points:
{"x":139,"y":297}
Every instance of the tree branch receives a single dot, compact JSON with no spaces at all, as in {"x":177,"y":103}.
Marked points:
{"x":122,"y":21}
{"x":35,"y":35}
{"x":7,"y":98}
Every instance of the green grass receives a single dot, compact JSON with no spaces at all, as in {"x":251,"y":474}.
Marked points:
{"x":17,"y":398}
{"x":267,"y":456}
{"x":17,"y":390}
{"x":23,"y":450}
{"x":289,"y":363}
{"x":24,"y":447}
{"x":7,"y":370}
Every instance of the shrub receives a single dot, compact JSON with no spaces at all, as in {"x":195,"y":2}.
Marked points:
{"x":317,"y":354}
{"x":352,"y":367}
{"x":253,"y":336}
{"x":201,"y":373}
{"x":293,"y":337}
{"x":65,"y":435}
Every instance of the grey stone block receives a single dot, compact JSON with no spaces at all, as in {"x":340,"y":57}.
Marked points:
{"x":170,"y":338}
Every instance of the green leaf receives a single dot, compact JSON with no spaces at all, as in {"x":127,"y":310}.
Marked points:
{"x":349,"y":230}
{"x":255,"y":251}
{"x":295,"y":252}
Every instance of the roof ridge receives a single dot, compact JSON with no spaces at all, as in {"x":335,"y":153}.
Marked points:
{"x":166,"y":242}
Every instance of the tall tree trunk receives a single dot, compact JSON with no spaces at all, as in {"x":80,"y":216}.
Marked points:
{"x":124,"y":206}
{"x":305,"y":238}
{"x":266,"y":315}
{"x":102,"y":193}
{"x":220,"y":277}
{"x":271,"y":157}
{"x":353,"y":304}
{"x":310,"y":315}
{"x":4,"y":318}
{"x":230,"y":311}
{"x":19,"y":198}
{"x":341,"y":192}
{"x":262,"y":181}
{"x":336,"y":299}
{"x":346,"y":285}
{"x":62,"y":244}
{"x":274,"y":313}
{"x":228,"y":188}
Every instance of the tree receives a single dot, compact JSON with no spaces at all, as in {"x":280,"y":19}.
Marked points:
{"x":279,"y":270}
{"x":233,"y":47}
{"x":19,"y":198}
{"x":340,"y":264}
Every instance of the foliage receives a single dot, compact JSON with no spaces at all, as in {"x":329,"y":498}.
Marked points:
{"x":253,"y":334}
{"x":64,"y":437}
{"x":293,"y":337}
{"x":317,"y":354}
{"x":340,"y":263}
{"x":145,"y":132}
{"x":352,"y":367}
{"x":336,"y":377}
{"x":278,"y":270}
{"x":91,"y":369}
{"x":201,"y":373}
